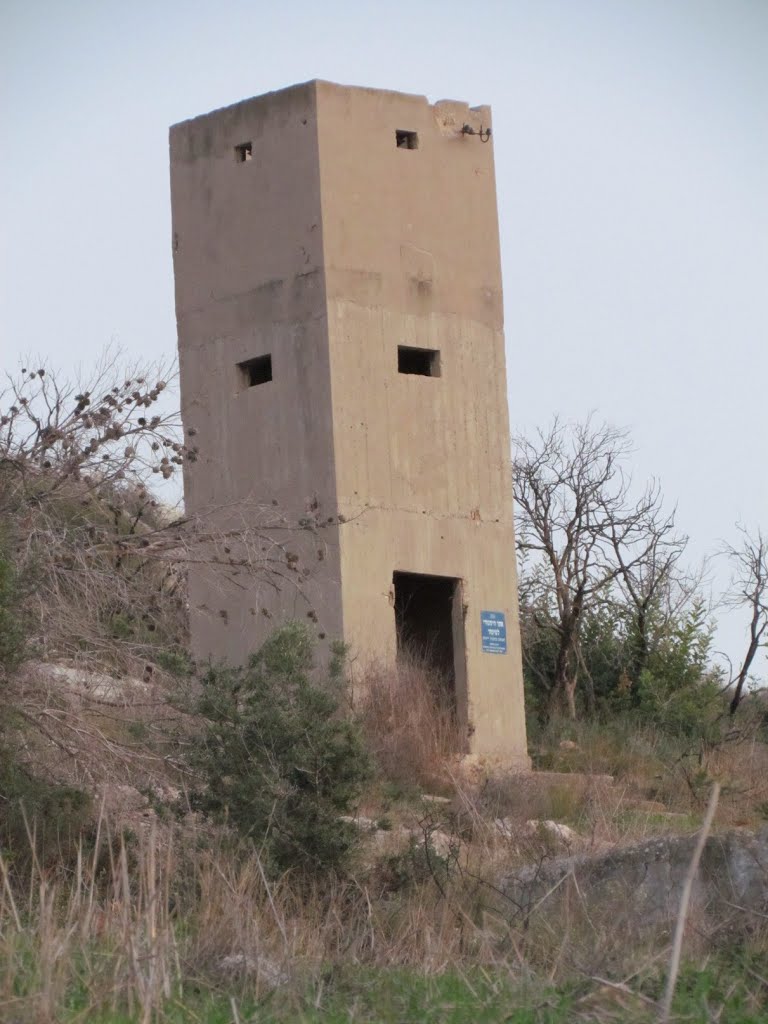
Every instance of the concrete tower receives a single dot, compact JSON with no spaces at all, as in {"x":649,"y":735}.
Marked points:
{"x":339,"y":307}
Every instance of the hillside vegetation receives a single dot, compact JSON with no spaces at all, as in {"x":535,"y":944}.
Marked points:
{"x":257,"y":843}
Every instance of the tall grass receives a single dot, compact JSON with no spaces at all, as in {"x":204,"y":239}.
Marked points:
{"x":147,"y":925}
{"x":136,"y":922}
{"x":159,"y":926}
{"x":408,"y":716}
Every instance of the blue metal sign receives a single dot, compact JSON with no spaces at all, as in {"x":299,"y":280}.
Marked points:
{"x":494,"y":629}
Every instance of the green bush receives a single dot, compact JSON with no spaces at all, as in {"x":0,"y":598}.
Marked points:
{"x":40,"y":821}
{"x":12,"y":620}
{"x":671,"y":688}
{"x":280,"y":760}
{"x":177,"y":662}
{"x":678,"y":692}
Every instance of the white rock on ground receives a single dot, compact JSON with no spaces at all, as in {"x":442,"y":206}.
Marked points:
{"x":97,"y":685}
{"x":552,"y":828}
{"x":508,"y":829}
{"x":440,"y":842}
{"x":361,"y":822}
{"x":505,"y":827}
{"x":265,"y":969}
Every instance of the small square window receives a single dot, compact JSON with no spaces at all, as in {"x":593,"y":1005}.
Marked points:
{"x":406,"y":140}
{"x":255,"y":371}
{"x":425,"y":362}
{"x":244,"y":152}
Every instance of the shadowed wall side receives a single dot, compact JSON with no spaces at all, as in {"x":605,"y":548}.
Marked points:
{"x":248,"y":262}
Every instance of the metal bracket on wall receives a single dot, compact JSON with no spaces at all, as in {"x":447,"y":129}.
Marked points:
{"x":483,"y":134}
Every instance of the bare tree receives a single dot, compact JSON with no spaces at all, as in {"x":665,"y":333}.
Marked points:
{"x":96,"y":431}
{"x":75,"y":460}
{"x":77,"y":464}
{"x":648,"y":550}
{"x":749,"y":589}
{"x":581,"y":533}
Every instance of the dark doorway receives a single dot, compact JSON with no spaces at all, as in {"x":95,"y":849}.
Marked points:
{"x":430,"y":626}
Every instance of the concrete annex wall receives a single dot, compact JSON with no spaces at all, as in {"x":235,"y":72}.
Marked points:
{"x":329,"y":248}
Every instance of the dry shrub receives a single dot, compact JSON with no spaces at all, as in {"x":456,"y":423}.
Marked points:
{"x":91,"y":730}
{"x":93,"y":566}
{"x":741,"y":766}
{"x":153,"y":921}
{"x":236,"y":910}
{"x":409,"y":721}
{"x":145,"y":919}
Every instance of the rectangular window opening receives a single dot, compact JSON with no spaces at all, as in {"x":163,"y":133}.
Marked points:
{"x":406,"y":140}
{"x":425,"y":362}
{"x":244,"y":152}
{"x":255,"y":371}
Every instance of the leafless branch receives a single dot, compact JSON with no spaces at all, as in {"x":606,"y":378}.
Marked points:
{"x":582,"y":536}
{"x":748,"y":589}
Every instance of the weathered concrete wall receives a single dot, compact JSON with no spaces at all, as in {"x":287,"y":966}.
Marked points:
{"x":422,"y":463}
{"x":329,"y":248}
{"x":639,"y":887}
{"x":248,"y":263}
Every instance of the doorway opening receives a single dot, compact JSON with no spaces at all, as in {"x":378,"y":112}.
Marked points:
{"x":429,"y":620}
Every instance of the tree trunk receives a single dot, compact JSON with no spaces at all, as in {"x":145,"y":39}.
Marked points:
{"x":641,"y":645}
{"x":564,"y":688}
{"x":743,"y":673}
{"x":570,"y":693}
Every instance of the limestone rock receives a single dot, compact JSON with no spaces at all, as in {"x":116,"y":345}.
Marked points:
{"x":96,"y":685}
{"x":506,"y":827}
{"x":555,"y":829}
{"x":440,"y":842}
{"x":359,"y":821}
{"x":640,"y":885}
{"x":267,"y":971}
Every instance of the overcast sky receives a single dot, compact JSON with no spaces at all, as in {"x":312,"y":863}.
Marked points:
{"x":631,"y":144}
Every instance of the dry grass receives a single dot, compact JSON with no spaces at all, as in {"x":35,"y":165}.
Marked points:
{"x":409,"y":722}
{"x":145,"y":922}
{"x":148,"y":915}
{"x":138,"y":918}
{"x":97,"y":731}
{"x":654,"y":772}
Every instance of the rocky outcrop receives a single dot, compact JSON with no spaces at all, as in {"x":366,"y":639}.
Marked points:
{"x":87,"y":683}
{"x":640,"y":885}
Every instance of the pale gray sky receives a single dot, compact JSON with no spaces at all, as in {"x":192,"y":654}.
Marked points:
{"x":631,"y":143}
